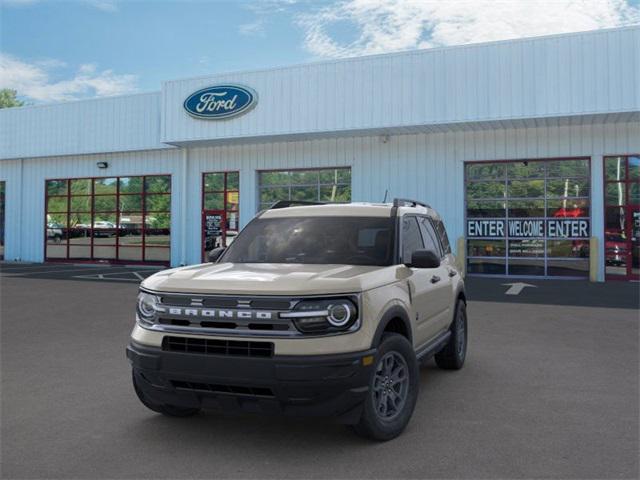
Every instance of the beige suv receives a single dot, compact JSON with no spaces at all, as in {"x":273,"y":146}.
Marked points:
{"x":315,"y":309}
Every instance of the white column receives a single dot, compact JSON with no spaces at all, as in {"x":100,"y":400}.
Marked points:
{"x":248,"y":195}
{"x":597,"y":210}
{"x":184,"y":203}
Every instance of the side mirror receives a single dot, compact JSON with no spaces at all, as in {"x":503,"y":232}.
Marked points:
{"x":215,"y":254}
{"x":424,"y":259}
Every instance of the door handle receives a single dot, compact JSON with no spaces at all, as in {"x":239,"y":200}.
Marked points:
{"x":452,"y":273}
{"x":435,"y":279}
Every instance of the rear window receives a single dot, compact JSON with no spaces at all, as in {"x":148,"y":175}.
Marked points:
{"x":315,"y":240}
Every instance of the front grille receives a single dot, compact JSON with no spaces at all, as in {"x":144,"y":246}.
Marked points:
{"x":270,"y":303}
{"x":215,"y":388}
{"x":280,"y":326}
{"x":223,"y":314}
{"x":217,"y":347}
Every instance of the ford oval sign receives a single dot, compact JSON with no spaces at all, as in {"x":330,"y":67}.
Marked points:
{"x":220,"y":101}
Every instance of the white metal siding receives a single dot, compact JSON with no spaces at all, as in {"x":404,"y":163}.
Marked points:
{"x":558,"y":76}
{"x":115,"y":124}
{"x":424,"y":166}
{"x":25,"y":200}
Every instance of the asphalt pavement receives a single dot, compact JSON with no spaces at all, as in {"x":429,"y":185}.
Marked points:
{"x":549,"y":390}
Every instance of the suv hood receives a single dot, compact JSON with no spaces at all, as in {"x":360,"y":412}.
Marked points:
{"x":270,"y":279}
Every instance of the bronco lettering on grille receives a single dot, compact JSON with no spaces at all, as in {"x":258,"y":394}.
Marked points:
{"x":216,"y":313}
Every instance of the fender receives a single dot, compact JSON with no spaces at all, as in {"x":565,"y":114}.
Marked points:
{"x":395,"y":311}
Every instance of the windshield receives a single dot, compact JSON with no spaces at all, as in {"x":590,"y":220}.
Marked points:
{"x":317,"y":240}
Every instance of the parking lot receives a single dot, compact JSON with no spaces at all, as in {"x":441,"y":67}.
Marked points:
{"x":550,"y":389}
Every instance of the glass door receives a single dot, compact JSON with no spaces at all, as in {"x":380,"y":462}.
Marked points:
{"x":2,"y":187}
{"x":635,"y":242}
{"x":622,"y":217}
{"x":220,"y":219}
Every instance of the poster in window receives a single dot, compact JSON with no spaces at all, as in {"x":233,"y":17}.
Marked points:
{"x":212,"y":231}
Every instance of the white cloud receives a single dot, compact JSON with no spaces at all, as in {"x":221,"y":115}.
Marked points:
{"x":389,"y":25}
{"x":253,"y":28}
{"x":268,"y":7}
{"x":104,"y":5}
{"x":34,"y":80}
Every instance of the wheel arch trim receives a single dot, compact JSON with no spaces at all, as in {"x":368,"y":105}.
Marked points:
{"x":392,"y":313}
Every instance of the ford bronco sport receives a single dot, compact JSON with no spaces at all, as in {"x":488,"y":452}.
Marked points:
{"x":313,"y":310}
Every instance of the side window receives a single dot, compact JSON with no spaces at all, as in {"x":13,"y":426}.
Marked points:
{"x":411,"y":239}
{"x":444,"y":239}
{"x":430,"y":238}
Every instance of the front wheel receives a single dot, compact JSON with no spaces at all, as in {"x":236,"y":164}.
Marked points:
{"x":393,"y":390}
{"x":452,"y":356}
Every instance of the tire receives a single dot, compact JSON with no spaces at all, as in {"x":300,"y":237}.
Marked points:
{"x":168,"y":410}
{"x":385,"y":425}
{"x":452,"y":356}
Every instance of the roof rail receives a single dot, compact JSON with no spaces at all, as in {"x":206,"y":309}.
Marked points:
{"x":293,"y":203}
{"x":405,"y":202}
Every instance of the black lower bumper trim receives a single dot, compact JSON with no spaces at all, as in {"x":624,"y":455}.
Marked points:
{"x":322,"y":385}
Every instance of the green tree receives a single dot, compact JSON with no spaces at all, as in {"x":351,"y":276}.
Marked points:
{"x":8,"y":98}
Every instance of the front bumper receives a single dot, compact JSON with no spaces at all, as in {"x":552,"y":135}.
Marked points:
{"x":318,"y":385}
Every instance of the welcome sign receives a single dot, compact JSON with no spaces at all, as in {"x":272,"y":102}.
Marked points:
{"x":528,"y":228}
{"x":220,"y":102}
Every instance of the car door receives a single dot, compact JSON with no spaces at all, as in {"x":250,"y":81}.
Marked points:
{"x":422,"y":283}
{"x":442,"y":301}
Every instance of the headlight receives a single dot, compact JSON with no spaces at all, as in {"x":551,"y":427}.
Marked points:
{"x":146,"y":307}
{"x":323,"y":316}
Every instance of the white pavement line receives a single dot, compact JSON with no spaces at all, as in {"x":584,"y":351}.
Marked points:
{"x":24,"y":270}
{"x":30,"y":272}
{"x":516,"y":288}
{"x":90,"y":265}
{"x":110,"y":276}
{"x":147,"y":267}
{"x":94,"y":277}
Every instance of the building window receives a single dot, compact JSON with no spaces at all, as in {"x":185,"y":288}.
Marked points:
{"x":622,"y":217}
{"x":2,"y":189}
{"x":124,"y":219}
{"x":528,"y":218}
{"x":318,"y":185}
{"x":220,"y":212}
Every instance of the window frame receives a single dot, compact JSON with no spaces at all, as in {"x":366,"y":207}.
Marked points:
{"x":260,"y":186}
{"x":3,"y":215}
{"x":627,"y":207}
{"x":435,"y":237}
{"x":506,"y":199}
{"x":225,"y":210}
{"x":117,"y":234}
{"x":401,"y":235}
{"x":442,"y":236}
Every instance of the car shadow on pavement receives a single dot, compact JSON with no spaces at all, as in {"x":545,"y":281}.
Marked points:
{"x":227,"y":430}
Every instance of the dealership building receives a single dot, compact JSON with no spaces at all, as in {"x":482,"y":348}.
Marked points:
{"x":529,"y":149}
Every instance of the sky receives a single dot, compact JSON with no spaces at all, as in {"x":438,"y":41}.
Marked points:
{"x":54,"y":50}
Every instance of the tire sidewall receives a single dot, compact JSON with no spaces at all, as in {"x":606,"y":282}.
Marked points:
{"x":461,"y":316}
{"x":387,"y":429}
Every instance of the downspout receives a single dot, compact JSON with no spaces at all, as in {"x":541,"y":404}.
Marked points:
{"x":20,"y":235}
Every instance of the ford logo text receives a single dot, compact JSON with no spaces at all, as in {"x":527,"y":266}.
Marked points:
{"x":220,"y":102}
